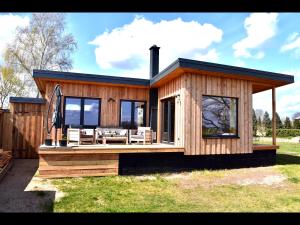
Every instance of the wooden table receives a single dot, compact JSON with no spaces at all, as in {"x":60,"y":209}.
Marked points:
{"x":107,"y":138}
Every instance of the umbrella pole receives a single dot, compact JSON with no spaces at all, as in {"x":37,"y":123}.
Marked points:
{"x":55,"y":136}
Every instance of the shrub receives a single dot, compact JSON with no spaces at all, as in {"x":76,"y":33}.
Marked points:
{"x":284,"y":132}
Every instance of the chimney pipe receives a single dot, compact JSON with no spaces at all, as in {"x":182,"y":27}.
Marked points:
{"x":154,"y":60}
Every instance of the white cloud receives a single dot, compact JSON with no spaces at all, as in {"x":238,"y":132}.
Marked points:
{"x":287,"y":97}
{"x":259,"y":55}
{"x":292,"y":36}
{"x":260,"y":27}
{"x":8,"y":25}
{"x":240,"y":63}
{"x":125,"y":50}
{"x":292,"y":43}
{"x":212,"y":56}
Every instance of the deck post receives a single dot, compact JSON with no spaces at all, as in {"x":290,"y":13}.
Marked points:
{"x":273,"y":116}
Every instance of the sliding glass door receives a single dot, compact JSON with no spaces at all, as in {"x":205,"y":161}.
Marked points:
{"x":168,"y":120}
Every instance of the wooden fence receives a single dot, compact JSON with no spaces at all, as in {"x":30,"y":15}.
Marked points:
{"x":22,"y":129}
{"x":5,"y":130}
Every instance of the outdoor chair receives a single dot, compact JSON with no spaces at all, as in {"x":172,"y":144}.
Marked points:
{"x":142,"y":134}
{"x":80,"y":136}
{"x":87,"y":135}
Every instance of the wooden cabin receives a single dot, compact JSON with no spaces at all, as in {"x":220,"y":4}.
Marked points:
{"x":195,"y":108}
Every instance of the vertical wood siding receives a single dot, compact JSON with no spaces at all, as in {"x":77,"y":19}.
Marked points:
{"x":110,"y":111}
{"x":6,"y":126}
{"x":174,"y":88}
{"x":197,"y":85}
{"x":27,"y":129}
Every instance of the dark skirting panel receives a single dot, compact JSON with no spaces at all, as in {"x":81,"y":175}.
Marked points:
{"x":145,"y":163}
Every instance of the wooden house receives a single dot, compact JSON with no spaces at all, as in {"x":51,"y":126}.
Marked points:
{"x":197,"y":109}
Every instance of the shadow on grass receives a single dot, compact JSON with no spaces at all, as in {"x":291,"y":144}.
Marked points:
{"x":285,"y":159}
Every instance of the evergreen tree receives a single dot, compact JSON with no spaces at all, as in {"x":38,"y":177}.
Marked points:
{"x":254,"y":122}
{"x":297,"y":124}
{"x":287,"y":123}
{"x":259,"y":123}
{"x":267,"y":123}
{"x":279,"y":124}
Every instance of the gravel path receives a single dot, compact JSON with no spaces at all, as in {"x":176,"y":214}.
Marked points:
{"x":20,"y":192}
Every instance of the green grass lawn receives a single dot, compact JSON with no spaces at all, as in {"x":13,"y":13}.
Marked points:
{"x":158,"y":193}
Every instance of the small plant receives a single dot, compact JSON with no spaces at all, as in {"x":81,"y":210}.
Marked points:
{"x":63,"y":141}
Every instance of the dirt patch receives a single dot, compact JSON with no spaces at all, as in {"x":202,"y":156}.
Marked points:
{"x":267,"y":176}
{"x":39,"y":184}
{"x":145,"y":177}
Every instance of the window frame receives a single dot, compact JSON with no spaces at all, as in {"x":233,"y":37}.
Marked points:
{"x":237,"y":120}
{"x":82,"y":125}
{"x":132,"y":112}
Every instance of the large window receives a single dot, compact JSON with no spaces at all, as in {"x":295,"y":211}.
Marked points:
{"x":82,"y":112}
{"x":132,"y":114}
{"x":219,"y":116}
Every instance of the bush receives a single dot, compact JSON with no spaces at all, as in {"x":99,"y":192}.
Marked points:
{"x":284,"y":132}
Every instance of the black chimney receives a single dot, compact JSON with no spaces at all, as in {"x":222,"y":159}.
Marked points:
{"x":154,"y":60}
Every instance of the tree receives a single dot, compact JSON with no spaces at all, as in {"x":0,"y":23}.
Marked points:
{"x":259,"y":113}
{"x":42,"y":45}
{"x":267,"y":123}
{"x":10,"y":84}
{"x":279,"y":124}
{"x":254,"y":122}
{"x":259,"y":123}
{"x":297,"y":124}
{"x":287,"y":123}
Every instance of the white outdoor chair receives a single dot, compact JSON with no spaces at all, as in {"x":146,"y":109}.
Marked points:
{"x":142,"y":134}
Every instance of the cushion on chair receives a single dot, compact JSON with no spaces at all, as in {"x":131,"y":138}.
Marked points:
{"x":99,"y":132}
{"x":140,"y":133}
{"x":106,"y":132}
{"x":88,"y":132}
{"x":137,"y":137}
{"x":123,"y":132}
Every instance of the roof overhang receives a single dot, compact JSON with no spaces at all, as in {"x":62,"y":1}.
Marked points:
{"x":43,"y":76}
{"x":262,"y":80}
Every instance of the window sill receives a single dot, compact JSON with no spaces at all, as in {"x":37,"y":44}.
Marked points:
{"x":220,"y":137}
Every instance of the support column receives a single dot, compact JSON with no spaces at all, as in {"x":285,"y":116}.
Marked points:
{"x":273,"y":116}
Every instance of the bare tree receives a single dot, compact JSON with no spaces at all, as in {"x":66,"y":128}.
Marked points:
{"x":42,"y":45}
{"x":10,"y":84}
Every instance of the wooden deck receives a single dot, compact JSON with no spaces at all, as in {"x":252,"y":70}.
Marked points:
{"x":110,"y":148}
{"x":90,"y":160}
{"x":98,"y":160}
{"x":258,"y":147}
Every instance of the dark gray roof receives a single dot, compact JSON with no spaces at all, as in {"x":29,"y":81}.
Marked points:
{"x":214,"y":67}
{"x":89,"y":77}
{"x":180,"y":62}
{"x":27,"y":100}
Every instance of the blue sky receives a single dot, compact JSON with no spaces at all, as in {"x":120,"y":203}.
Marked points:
{"x":118,"y":43}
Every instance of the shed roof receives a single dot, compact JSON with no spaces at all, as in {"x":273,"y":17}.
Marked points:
{"x":26,"y":100}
